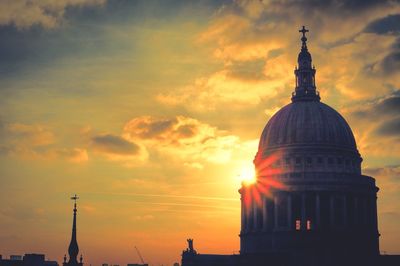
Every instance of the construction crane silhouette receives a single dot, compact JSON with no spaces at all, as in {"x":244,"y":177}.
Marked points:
{"x":140,"y":255}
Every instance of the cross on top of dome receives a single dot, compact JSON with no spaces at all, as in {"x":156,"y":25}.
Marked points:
{"x":304,"y":38}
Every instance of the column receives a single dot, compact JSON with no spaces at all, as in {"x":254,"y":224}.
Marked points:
{"x":276,"y":212}
{"x":255,"y":215}
{"x":375,"y":213}
{"x":332,"y":210}
{"x":264,"y":212}
{"x":243,"y":214}
{"x":317,"y":211}
{"x":303,"y":212}
{"x":365,"y":211}
{"x":345,"y":221}
{"x":289,"y":209}
{"x":356,"y":212}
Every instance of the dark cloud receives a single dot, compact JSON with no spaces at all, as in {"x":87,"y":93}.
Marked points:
{"x":115,"y":145}
{"x":389,"y":106}
{"x":386,"y":112}
{"x":390,"y":24}
{"x":332,"y":7}
{"x":391,"y":62}
{"x":387,"y":25}
{"x":85,"y":32}
{"x":176,"y":130}
{"x":389,"y":128}
{"x":187,"y":131}
{"x":37,"y":48}
{"x":120,"y":10}
{"x":153,"y":128}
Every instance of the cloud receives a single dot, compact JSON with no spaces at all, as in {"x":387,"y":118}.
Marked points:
{"x":75,"y":155}
{"x":386,"y":106}
{"x":390,"y":128}
{"x":329,"y":7}
{"x":30,"y":135}
{"x":229,"y":87}
{"x":387,"y":25}
{"x":391,"y":62}
{"x":255,"y":40}
{"x":47,"y":14}
{"x":22,"y":213}
{"x":114,"y":144}
{"x":116,"y":148}
{"x":392,"y":171}
{"x":148,"y":127}
{"x":376,"y":125}
{"x":383,"y":114}
{"x":35,"y":141}
{"x":182,"y":138}
{"x":25,"y":140}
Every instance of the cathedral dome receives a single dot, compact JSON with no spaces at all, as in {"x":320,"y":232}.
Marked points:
{"x":307,"y":123}
{"x":309,"y":196}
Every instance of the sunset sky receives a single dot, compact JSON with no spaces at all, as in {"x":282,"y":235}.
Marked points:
{"x":151,"y":112}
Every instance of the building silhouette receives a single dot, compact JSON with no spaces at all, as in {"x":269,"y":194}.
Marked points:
{"x":310,"y":205}
{"x":73,"y":249}
{"x":27,"y":260}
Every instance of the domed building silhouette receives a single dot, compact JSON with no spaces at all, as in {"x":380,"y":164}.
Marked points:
{"x":310,"y":205}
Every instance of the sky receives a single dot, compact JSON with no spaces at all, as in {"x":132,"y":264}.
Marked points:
{"x":151,"y":112}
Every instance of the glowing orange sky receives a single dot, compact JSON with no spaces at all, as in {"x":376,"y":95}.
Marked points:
{"x":151,"y":112}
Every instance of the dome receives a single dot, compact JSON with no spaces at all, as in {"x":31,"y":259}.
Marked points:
{"x":307,"y":123}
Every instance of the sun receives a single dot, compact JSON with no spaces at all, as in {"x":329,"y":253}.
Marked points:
{"x":247,"y":174}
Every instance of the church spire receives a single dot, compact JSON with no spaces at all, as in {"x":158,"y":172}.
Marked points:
{"x":73,"y":248}
{"x":305,"y":74}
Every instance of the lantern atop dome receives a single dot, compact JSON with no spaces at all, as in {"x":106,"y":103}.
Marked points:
{"x":305,"y":74}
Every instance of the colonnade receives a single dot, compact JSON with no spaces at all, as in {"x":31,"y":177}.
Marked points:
{"x":308,"y":211}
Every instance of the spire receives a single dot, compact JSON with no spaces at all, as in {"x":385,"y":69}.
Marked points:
{"x":73,"y":248}
{"x":305,"y":74}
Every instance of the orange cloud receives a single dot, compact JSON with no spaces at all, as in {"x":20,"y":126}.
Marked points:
{"x":34,"y":141}
{"x":207,"y":93}
{"x":182,"y":137}
{"x":75,"y":155}
{"x":30,"y":135}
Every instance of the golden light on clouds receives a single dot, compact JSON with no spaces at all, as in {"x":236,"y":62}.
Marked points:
{"x":151,"y":112}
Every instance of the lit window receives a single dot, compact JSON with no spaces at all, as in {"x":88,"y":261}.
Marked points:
{"x":308,"y":225}
{"x":298,"y":225}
